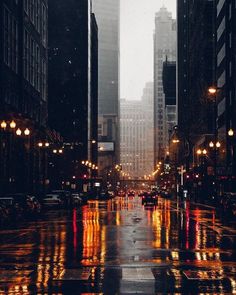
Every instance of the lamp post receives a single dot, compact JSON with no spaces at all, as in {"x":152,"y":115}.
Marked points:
{"x":43,"y":165}
{"x":176,"y":141}
{"x":212,"y":91}
{"x":231,"y":135}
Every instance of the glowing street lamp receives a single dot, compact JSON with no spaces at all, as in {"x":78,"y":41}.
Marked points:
{"x":218,"y":144}
{"x":204,"y":152}
{"x":27,"y":132}
{"x":212,"y":90}
{"x":18,"y":132}
{"x":3,"y":125}
{"x":211,"y":144}
{"x":231,"y":132}
{"x":13,"y":125}
{"x":199,"y":152}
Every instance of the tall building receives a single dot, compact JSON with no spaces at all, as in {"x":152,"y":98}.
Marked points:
{"x":164,"y":47}
{"x":23,"y":91}
{"x":225,"y":76}
{"x":73,"y":82}
{"x":195,"y":74}
{"x":169,"y":88}
{"x":137,"y":135}
{"x":107,"y":13}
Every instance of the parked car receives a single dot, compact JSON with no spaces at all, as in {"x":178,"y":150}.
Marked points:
{"x":23,"y":203}
{"x":149,"y":198}
{"x":13,"y":207}
{"x":4,"y":214}
{"x":228,"y":203}
{"x":53,"y":200}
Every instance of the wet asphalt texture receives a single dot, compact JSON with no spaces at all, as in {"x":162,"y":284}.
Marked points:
{"x":120,"y":247}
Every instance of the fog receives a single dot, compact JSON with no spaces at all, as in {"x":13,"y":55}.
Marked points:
{"x":136,"y":51}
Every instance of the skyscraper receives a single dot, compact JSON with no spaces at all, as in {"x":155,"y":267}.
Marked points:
{"x":169,"y":88}
{"x":73,"y":80}
{"x":136,"y":124}
{"x":195,"y":73}
{"x":164,"y":47}
{"x":23,"y":91}
{"x":107,"y":13}
{"x":225,"y":76}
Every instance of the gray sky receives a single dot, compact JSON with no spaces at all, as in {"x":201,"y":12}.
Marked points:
{"x":136,"y":36}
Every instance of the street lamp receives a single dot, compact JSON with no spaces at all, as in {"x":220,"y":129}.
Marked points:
{"x":18,"y":132}
{"x":231,"y":132}
{"x":213,"y":93}
{"x":4,"y":125}
{"x":13,"y":125}
{"x":27,"y":132}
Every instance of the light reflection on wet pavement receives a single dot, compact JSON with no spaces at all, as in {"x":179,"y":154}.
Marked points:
{"x":120,"y":247}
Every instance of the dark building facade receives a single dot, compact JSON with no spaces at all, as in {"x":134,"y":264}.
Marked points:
{"x":169,"y":89}
{"x":225,"y":76}
{"x":73,"y":81}
{"x":94,"y":88}
{"x":107,"y":13}
{"x":23,"y":91}
{"x":206,"y":57}
{"x":195,"y":73}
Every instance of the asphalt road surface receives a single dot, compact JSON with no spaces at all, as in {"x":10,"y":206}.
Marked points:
{"x":120,"y":247}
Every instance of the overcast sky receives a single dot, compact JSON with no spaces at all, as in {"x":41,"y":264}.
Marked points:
{"x":136,"y":36}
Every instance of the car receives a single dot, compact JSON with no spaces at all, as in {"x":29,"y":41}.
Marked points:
{"x":23,"y":204}
{"x":65,"y":196}
{"x":111,"y":193}
{"x":131,"y":193}
{"x":165,"y":193}
{"x":13,"y":207}
{"x":104,"y":195}
{"x":37,"y":206}
{"x":76,"y":200}
{"x":4,"y":215}
{"x":228,"y":203}
{"x":83,"y":196}
{"x":121,"y":193}
{"x":149,"y":198}
{"x":52,"y":200}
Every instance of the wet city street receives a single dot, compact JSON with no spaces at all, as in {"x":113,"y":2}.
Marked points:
{"x":120,"y":247}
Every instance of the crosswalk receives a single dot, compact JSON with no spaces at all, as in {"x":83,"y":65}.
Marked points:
{"x":137,"y":274}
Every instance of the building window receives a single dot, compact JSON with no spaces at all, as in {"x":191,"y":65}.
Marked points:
{"x":26,"y":55}
{"x":10,"y":40}
{"x":43,"y":82}
{"x":221,"y":29}
{"x":26,"y":6}
{"x":44,"y":25}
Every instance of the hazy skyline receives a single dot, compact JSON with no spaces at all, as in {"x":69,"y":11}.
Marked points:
{"x":136,"y":47}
